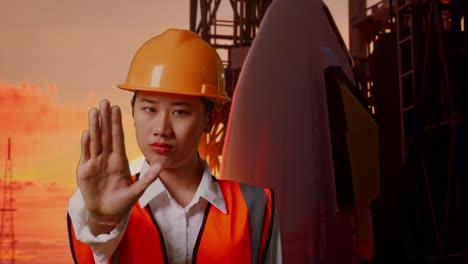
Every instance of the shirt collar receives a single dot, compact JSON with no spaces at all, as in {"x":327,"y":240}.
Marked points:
{"x":208,"y":189}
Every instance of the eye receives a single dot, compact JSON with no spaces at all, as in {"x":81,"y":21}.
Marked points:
{"x":180,"y":112}
{"x":149,"y":109}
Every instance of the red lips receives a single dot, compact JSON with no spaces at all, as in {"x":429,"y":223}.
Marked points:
{"x":161,"y":147}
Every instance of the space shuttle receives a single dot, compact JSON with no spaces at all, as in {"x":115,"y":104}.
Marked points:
{"x":299,"y":125}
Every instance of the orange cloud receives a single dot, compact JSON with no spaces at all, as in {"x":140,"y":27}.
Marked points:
{"x":45,"y":133}
{"x":29,"y":113}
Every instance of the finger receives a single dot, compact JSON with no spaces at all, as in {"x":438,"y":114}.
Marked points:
{"x":138,"y":187}
{"x":95,"y":132}
{"x":118,"y":139}
{"x":85,"y":154}
{"x":106,"y":128}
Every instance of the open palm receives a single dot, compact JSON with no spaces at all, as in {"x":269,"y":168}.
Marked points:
{"x":103,"y":172}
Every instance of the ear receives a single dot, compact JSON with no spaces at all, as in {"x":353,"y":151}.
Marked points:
{"x":212,"y":117}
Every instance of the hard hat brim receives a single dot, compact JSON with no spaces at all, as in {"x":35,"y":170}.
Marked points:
{"x":218,"y":98}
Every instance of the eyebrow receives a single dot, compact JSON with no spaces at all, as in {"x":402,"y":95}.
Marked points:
{"x":147,"y":100}
{"x":151,"y":101}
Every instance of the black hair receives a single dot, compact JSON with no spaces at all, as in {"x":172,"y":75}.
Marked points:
{"x":132,"y":102}
{"x":209,"y":104}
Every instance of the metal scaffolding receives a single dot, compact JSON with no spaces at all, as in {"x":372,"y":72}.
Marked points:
{"x":233,"y":35}
{"x":430,"y":44}
{"x":410,"y":63}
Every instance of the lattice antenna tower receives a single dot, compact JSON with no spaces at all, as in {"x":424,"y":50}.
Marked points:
{"x":7,"y":227}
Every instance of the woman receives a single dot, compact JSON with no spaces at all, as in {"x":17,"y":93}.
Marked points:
{"x":174,"y":210}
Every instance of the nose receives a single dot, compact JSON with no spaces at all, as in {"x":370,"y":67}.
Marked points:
{"x":162,"y":126}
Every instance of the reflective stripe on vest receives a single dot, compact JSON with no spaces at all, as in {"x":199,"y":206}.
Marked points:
{"x":256,"y":201}
{"x":241,"y":236}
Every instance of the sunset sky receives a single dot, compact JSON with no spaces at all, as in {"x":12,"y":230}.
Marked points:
{"x":58,"y":59}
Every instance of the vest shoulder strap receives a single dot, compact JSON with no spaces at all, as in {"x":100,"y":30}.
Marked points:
{"x":260,"y":205}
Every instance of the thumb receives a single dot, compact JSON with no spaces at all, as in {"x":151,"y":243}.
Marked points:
{"x":138,"y":187}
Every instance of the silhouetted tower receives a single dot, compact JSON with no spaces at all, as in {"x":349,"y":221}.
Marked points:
{"x":7,"y":228}
{"x":232,"y":38}
{"x":367,"y":24}
{"x":412,"y":56}
{"x":432,"y":51}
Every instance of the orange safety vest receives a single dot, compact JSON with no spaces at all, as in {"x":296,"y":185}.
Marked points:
{"x":240,"y":236}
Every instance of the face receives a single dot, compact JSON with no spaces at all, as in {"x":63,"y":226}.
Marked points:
{"x":169,"y":127}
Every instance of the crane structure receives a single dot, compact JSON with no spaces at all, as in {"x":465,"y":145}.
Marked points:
{"x":7,"y":225}
{"x":366,"y":25}
{"x":411,"y":56}
{"x":432,"y":52}
{"x":232,"y":38}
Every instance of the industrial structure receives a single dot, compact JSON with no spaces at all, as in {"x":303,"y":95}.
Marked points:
{"x":231,"y":36}
{"x":409,"y":59}
{"x":7,"y":225}
{"x":412,"y":58}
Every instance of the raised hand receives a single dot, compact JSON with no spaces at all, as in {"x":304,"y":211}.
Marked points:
{"x":103,"y":172}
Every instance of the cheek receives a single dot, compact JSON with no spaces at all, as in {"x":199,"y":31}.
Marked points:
{"x":140,"y":122}
{"x":190,"y":132}
{"x":139,"y":136}
{"x":141,"y":131}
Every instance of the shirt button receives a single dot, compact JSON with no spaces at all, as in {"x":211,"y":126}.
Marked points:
{"x":180,"y":253}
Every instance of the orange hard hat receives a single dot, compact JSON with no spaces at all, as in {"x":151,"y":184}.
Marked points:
{"x":178,"y":62}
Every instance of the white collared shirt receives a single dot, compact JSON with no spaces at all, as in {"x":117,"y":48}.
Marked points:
{"x":180,"y":226}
